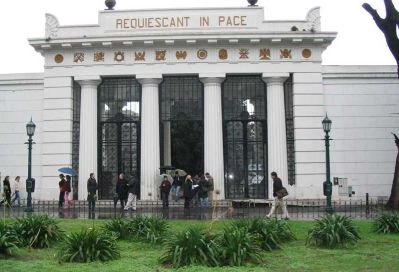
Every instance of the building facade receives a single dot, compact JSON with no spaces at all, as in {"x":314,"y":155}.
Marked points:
{"x":218,"y":90}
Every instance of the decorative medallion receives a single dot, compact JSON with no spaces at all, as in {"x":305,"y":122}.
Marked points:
{"x":99,"y":56}
{"x":119,"y":56}
{"x":223,"y":54}
{"x":285,"y":54}
{"x":79,"y":57}
{"x":181,"y":55}
{"x":160,"y":54}
{"x":306,"y":53}
{"x":202,"y":54}
{"x":264,"y":54}
{"x":58,"y":58}
{"x":139,"y":56}
{"x":244,"y":53}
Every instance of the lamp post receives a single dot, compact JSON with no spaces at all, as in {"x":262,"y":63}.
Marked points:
{"x":30,"y":131}
{"x":327,"y":185}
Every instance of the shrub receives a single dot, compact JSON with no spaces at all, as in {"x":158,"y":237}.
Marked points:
{"x":333,"y":231}
{"x":8,"y":239}
{"x":151,"y":229}
{"x":237,"y":246}
{"x":387,"y":223}
{"x":89,"y":245}
{"x":190,"y":247}
{"x":282,"y":229}
{"x":38,"y":231}
{"x":120,"y":228}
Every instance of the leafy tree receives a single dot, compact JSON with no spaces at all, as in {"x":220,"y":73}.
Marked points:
{"x":388,"y":26}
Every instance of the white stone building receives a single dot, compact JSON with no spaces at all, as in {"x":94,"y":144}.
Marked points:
{"x":218,"y":90}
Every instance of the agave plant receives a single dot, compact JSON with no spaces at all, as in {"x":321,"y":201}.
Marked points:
{"x":387,"y":223}
{"x":8,"y":239}
{"x":151,"y":229}
{"x":237,"y":246}
{"x":190,"y":247}
{"x":38,"y":231}
{"x":333,"y":231}
{"x":282,"y":230}
{"x":120,"y":228}
{"x":89,"y":245}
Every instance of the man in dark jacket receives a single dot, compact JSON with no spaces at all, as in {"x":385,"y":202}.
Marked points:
{"x":176,"y":185}
{"x":204,"y":188}
{"x":134,"y":190}
{"x":121,"y":189}
{"x":278,"y":202}
{"x":6,"y":192}
{"x":92,"y":191}
{"x":62,"y":186}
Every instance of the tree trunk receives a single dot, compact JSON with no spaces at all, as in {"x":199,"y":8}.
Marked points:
{"x":393,"y":202}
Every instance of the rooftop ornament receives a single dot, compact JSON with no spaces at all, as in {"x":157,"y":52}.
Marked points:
{"x":252,"y":3}
{"x":110,"y":4}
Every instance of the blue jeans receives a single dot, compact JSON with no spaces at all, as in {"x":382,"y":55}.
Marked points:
{"x":17,"y":197}
{"x":165,"y":199}
{"x":175,"y":192}
{"x":204,"y":202}
{"x":92,"y":205}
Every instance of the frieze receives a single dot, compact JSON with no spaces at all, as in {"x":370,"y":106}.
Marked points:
{"x":259,"y":54}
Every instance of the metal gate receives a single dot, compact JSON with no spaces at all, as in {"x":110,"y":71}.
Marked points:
{"x":181,"y":123}
{"x":245,"y":137}
{"x":118,"y":132}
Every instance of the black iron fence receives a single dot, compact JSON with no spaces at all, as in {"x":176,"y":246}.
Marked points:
{"x":224,"y":209}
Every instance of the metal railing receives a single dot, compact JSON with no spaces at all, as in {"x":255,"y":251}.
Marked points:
{"x":300,"y":209}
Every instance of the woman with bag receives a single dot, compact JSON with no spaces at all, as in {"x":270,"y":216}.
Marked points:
{"x":279,"y":192}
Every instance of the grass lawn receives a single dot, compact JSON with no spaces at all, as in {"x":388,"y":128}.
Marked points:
{"x":374,"y":252}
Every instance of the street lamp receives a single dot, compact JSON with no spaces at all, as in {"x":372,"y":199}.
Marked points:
{"x":327,"y":185}
{"x":30,"y":131}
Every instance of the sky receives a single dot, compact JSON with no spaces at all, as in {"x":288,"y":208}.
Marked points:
{"x":359,"y":41}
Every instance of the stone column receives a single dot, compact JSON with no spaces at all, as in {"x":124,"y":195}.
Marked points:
{"x":276,"y":130}
{"x":150,"y":151}
{"x":213,"y":131}
{"x":88,"y":131}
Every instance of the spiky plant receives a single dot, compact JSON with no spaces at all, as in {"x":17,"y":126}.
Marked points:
{"x":151,"y":229}
{"x":9,"y":240}
{"x":191,"y":247}
{"x":118,"y":227}
{"x":333,"y":231}
{"x":387,"y":223}
{"x":89,"y":245}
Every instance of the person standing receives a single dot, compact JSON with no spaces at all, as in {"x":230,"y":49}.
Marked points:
{"x":278,"y":202}
{"x":203,"y":192}
{"x":67,"y":202}
{"x":176,"y":185}
{"x":62,"y":187}
{"x":121,"y":189}
{"x":6,"y":192}
{"x":165,"y":189}
{"x":211,"y":185}
{"x":134,"y":190}
{"x":16,"y":191}
{"x":187,"y":191}
{"x":92,"y":192}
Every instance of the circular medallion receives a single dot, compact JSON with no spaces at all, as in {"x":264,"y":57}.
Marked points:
{"x":306,"y":53}
{"x":202,"y":54}
{"x":58,"y":58}
{"x":223,"y":54}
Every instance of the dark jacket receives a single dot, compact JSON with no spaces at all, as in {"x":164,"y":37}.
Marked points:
{"x":187,"y":188}
{"x":68,"y":185}
{"x":63,"y":185}
{"x":92,"y":187}
{"x":134,"y":186}
{"x":277,"y":186}
{"x":177,"y":181}
{"x":6,"y":187}
{"x":165,"y":186}
{"x":204,"y":188}
{"x":121,"y":188}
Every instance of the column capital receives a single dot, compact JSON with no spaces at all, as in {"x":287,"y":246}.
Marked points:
{"x":271,"y":78}
{"x":212,"y":78}
{"x":88,"y":80}
{"x":149,"y":78}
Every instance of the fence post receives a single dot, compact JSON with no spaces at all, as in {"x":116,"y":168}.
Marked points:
{"x":367,"y":205}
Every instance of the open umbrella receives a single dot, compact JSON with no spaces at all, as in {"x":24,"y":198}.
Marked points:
{"x":169,"y":177}
{"x":181,"y":173}
{"x":68,"y":170}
